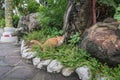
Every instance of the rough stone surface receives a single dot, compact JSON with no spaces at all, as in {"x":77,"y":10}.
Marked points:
{"x":54,"y":66}
{"x":102,"y":41}
{"x":14,"y":67}
{"x":67,"y":71}
{"x":83,"y":73}
{"x":43,"y":63}
{"x":36,"y":61}
{"x":26,"y":24}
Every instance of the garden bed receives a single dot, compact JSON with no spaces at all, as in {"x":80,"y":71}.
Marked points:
{"x":69,"y":60}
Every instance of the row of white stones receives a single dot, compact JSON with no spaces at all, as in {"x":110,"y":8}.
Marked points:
{"x":54,"y":66}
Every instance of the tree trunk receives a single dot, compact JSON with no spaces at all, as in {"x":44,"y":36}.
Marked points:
{"x":8,"y":13}
{"x":77,"y":17}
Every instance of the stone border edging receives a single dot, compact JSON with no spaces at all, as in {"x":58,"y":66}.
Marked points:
{"x":54,"y":66}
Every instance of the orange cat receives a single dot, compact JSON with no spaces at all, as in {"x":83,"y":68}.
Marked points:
{"x":51,"y":42}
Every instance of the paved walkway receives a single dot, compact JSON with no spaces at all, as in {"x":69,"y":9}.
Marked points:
{"x":13,"y":67}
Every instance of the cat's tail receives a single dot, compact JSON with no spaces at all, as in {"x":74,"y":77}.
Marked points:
{"x":36,"y":42}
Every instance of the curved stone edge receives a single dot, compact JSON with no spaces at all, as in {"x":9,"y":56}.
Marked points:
{"x":54,"y":66}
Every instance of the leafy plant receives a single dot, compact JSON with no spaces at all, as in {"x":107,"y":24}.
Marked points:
{"x":2,"y":14}
{"x":2,"y":23}
{"x":15,"y":20}
{"x":74,"y":38}
{"x":32,"y":7}
{"x":21,"y":5}
{"x":117,"y":13}
{"x":51,"y":15}
{"x":43,"y":34}
{"x":109,"y":2}
{"x":34,"y":35}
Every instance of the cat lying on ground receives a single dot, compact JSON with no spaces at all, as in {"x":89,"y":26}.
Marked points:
{"x":51,"y":42}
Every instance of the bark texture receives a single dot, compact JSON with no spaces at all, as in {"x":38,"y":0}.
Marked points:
{"x":8,"y":13}
{"x":77,"y":17}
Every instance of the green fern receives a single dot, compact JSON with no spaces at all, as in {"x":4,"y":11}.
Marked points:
{"x":109,"y":2}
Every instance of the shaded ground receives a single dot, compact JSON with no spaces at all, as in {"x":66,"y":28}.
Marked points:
{"x":13,"y":67}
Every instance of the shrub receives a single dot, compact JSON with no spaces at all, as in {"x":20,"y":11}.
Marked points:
{"x":1,"y":14}
{"x":15,"y":20}
{"x":32,"y":7}
{"x":52,"y":14}
{"x":117,"y":13}
{"x":2,"y":23}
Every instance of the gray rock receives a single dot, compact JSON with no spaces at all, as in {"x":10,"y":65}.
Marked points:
{"x":54,"y":67}
{"x":67,"y":71}
{"x":28,"y":22}
{"x":83,"y":73}
{"x":43,"y":63}
{"x":102,"y":41}
{"x":36,"y":61}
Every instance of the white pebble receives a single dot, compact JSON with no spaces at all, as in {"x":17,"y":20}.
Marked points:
{"x":36,"y":61}
{"x":54,"y":67}
{"x":83,"y":73}
{"x":67,"y":71}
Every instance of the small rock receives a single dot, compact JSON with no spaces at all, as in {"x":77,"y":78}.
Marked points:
{"x":24,"y":55}
{"x":46,"y":62}
{"x":43,"y":63}
{"x":23,"y":48}
{"x":23,"y":43}
{"x":26,"y":50}
{"x":67,"y":71}
{"x":54,"y":66}
{"x":83,"y":73}
{"x":36,"y":61}
{"x":28,"y":55}
{"x":31,"y":55}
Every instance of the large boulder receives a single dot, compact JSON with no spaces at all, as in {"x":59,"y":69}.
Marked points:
{"x":102,"y":41}
{"x":29,"y":22}
{"x":26,"y":24}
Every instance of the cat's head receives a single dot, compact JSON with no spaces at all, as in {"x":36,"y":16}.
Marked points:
{"x":60,"y":39}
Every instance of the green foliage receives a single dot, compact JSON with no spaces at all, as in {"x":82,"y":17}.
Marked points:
{"x":69,"y":56}
{"x":2,"y":14}
{"x":74,"y":38}
{"x":33,"y":35}
{"x":15,"y":20}
{"x":43,"y":34}
{"x":109,"y":3}
{"x":52,"y":14}
{"x":117,"y":13}
{"x":21,"y":5}
{"x":2,"y":22}
{"x":32,"y":7}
